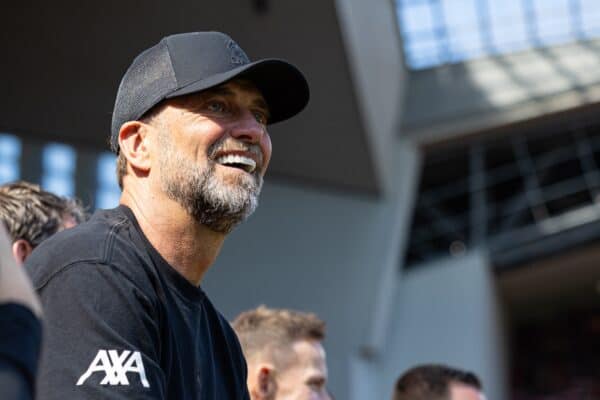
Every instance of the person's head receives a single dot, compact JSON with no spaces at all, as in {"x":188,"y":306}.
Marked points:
{"x":31,"y":215}
{"x":286,"y":360}
{"x":190,"y":122}
{"x":438,"y":382}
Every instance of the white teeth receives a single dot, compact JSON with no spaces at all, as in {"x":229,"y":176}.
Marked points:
{"x":248,"y":163}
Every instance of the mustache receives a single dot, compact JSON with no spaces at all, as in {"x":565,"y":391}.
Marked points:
{"x":230,"y":145}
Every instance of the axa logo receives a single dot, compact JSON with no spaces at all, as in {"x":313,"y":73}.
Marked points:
{"x":115,"y":366}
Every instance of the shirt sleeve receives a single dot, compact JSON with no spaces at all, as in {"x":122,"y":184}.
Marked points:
{"x":20,"y":336}
{"x":102,"y":337}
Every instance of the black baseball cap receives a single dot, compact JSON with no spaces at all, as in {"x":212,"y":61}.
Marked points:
{"x":191,"y":62}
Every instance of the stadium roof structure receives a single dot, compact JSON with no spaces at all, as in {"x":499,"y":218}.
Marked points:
{"x":63,"y":62}
{"x":438,"y":32}
{"x":524,"y":192}
{"x":502,"y":97}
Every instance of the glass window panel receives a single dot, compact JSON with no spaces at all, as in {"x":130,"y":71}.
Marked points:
{"x":507,"y":25}
{"x":424,"y":53}
{"x":590,"y":17}
{"x":107,"y":199}
{"x":58,"y":162}
{"x":10,"y":146}
{"x":468,"y":43}
{"x":462,"y":26}
{"x":553,"y":22}
{"x":108,"y":192}
{"x":107,"y":170}
{"x":8,"y":173}
{"x":10,"y":154}
{"x":58,"y":158}
{"x":416,"y":18}
{"x":475,"y":28}
{"x":60,"y":185}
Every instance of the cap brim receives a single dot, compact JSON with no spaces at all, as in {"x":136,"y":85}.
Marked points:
{"x":282,"y":85}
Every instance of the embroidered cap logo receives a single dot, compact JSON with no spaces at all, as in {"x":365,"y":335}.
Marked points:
{"x":238,"y":57}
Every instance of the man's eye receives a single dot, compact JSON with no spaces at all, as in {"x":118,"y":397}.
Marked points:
{"x":261,"y":117}
{"x":316,"y":385}
{"x":216,"y":106}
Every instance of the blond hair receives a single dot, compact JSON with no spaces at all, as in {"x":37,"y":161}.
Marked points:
{"x":269,"y":332}
{"x":33,"y":214}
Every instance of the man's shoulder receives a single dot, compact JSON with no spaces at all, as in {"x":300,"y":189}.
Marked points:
{"x":106,"y":239}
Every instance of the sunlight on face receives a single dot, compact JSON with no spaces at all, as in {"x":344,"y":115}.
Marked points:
{"x":459,"y":391}
{"x":306,"y":376}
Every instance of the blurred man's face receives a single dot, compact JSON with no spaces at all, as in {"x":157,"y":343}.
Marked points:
{"x":306,"y":376}
{"x":459,"y":391}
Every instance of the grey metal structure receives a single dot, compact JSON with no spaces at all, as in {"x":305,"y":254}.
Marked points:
{"x":510,"y":190}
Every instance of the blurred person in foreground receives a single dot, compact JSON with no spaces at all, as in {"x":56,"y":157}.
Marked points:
{"x":31,"y":215}
{"x":438,"y":382}
{"x":125,"y":314}
{"x":285,"y":355}
{"x":20,"y":327}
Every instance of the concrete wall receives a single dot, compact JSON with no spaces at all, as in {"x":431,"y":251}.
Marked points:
{"x":449,"y":313}
{"x":374,"y":48}
{"x":310,"y":251}
{"x":324,"y":252}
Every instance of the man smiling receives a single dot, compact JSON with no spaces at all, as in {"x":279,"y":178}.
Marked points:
{"x":126,"y":317}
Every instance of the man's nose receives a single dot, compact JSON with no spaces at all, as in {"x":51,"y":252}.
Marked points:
{"x":248,"y":129}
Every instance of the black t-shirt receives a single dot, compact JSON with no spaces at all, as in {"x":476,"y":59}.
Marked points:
{"x":20,"y":336}
{"x":121,"y":323}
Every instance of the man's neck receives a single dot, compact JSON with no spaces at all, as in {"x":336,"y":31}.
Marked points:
{"x":188,"y":246}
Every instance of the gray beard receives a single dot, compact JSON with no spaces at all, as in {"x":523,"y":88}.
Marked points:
{"x":215,"y":204}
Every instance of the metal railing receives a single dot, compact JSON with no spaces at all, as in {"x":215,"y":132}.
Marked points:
{"x":522,"y":186}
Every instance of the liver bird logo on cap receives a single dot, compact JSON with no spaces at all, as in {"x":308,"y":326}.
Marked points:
{"x":238,"y":57}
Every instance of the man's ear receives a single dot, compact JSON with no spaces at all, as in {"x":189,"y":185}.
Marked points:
{"x":265,"y":386}
{"x":133,"y":143}
{"x":21,"y":249}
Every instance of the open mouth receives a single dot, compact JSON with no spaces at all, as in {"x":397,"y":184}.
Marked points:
{"x":237,"y":161}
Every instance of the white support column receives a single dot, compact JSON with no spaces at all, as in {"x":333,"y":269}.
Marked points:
{"x":374,"y":48}
{"x":366,"y":365}
{"x":450,"y":312}
{"x":400,"y":212}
